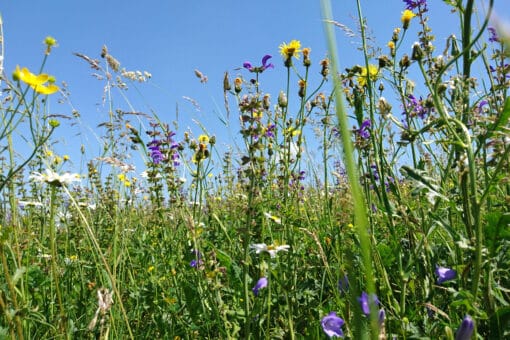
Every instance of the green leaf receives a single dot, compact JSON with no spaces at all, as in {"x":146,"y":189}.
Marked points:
{"x":504,"y":117}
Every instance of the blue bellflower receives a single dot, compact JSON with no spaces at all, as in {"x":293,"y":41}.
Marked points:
{"x":332,"y":325}
{"x":465,"y":330}
{"x":444,"y":274}
{"x":261,"y":283}
{"x":365,"y":305}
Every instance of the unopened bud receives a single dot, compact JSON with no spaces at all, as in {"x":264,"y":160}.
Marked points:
{"x":417,"y":52}
{"x":282,"y":99}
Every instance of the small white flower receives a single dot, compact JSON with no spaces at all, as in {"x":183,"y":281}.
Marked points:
{"x":275,"y":219}
{"x":272,"y":249}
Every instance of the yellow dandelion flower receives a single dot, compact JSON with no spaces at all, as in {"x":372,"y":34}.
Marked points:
{"x":150,"y":269}
{"x":407,"y":15}
{"x":371,"y":72}
{"x":291,"y":49}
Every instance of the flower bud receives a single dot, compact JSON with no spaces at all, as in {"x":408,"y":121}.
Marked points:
{"x":404,"y":62}
{"x":282,"y":99}
{"x":238,"y":82}
{"x":306,"y":57}
{"x":325,"y":67}
{"x":417,"y":52}
{"x":226,"y":83}
{"x":302,"y":88}
{"x":266,"y":104}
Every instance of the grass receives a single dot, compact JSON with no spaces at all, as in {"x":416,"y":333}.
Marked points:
{"x":407,"y":212}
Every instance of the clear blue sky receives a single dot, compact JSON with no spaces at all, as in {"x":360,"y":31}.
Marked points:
{"x":172,"y":38}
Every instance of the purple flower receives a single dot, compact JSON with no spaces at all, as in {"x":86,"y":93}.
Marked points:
{"x":261,"y":283}
{"x":270,"y":130}
{"x":364,"y":130}
{"x":416,"y":107}
{"x":332,"y":325}
{"x":381,"y":317}
{"x":197,"y":261}
{"x":412,"y":4}
{"x":259,"y":69}
{"x":155,"y":151}
{"x":444,"y":274}
{"x":493,"y":35}
{"x":343,"y":284}
{"x":365,"y":305}
{"x":465,"y":330}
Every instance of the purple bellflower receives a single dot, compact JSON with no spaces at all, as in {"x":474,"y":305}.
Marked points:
{"x":444,"y":274}
{"x":465,"y":330}
{"x":365,"y":305}
{"x":261,"y":283}
{"x":332,"y":325}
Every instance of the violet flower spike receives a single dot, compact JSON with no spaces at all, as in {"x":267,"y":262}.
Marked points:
{"x":444,"y":274}
{"x":332,"y":325}
{"x":261,"y":283}
{"x":412,"y":4}
{"x":493,"y":35}
{"x":259,"y":69}
{"x":364,"y":130}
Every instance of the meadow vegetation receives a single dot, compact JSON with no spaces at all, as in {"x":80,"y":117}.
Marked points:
{"x":397,"y":228}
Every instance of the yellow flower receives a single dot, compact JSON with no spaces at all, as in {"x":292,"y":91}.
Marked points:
{"x":407,"y":15}
{"x":50,"y":41}
{"x":122,"y":177}
{"x":391,"y":45}
{"x":35,"y":81}
{"x":372,"y":72}
{"x":291,"y":49}
{"x":204,"y":139}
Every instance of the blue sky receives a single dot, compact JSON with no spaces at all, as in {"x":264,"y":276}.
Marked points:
{"x":171,"y":39}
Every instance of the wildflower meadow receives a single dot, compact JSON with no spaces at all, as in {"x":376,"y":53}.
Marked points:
{"x":396,"y":228}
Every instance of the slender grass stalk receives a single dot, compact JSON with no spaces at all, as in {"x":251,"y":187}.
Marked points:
{"x":54,"y":267}
{"x":360,"y":209}
{"x":111,"y":277}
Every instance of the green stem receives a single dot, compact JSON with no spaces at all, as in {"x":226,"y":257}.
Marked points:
{"x":53,"y":250}
{"x":360,"y":209}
